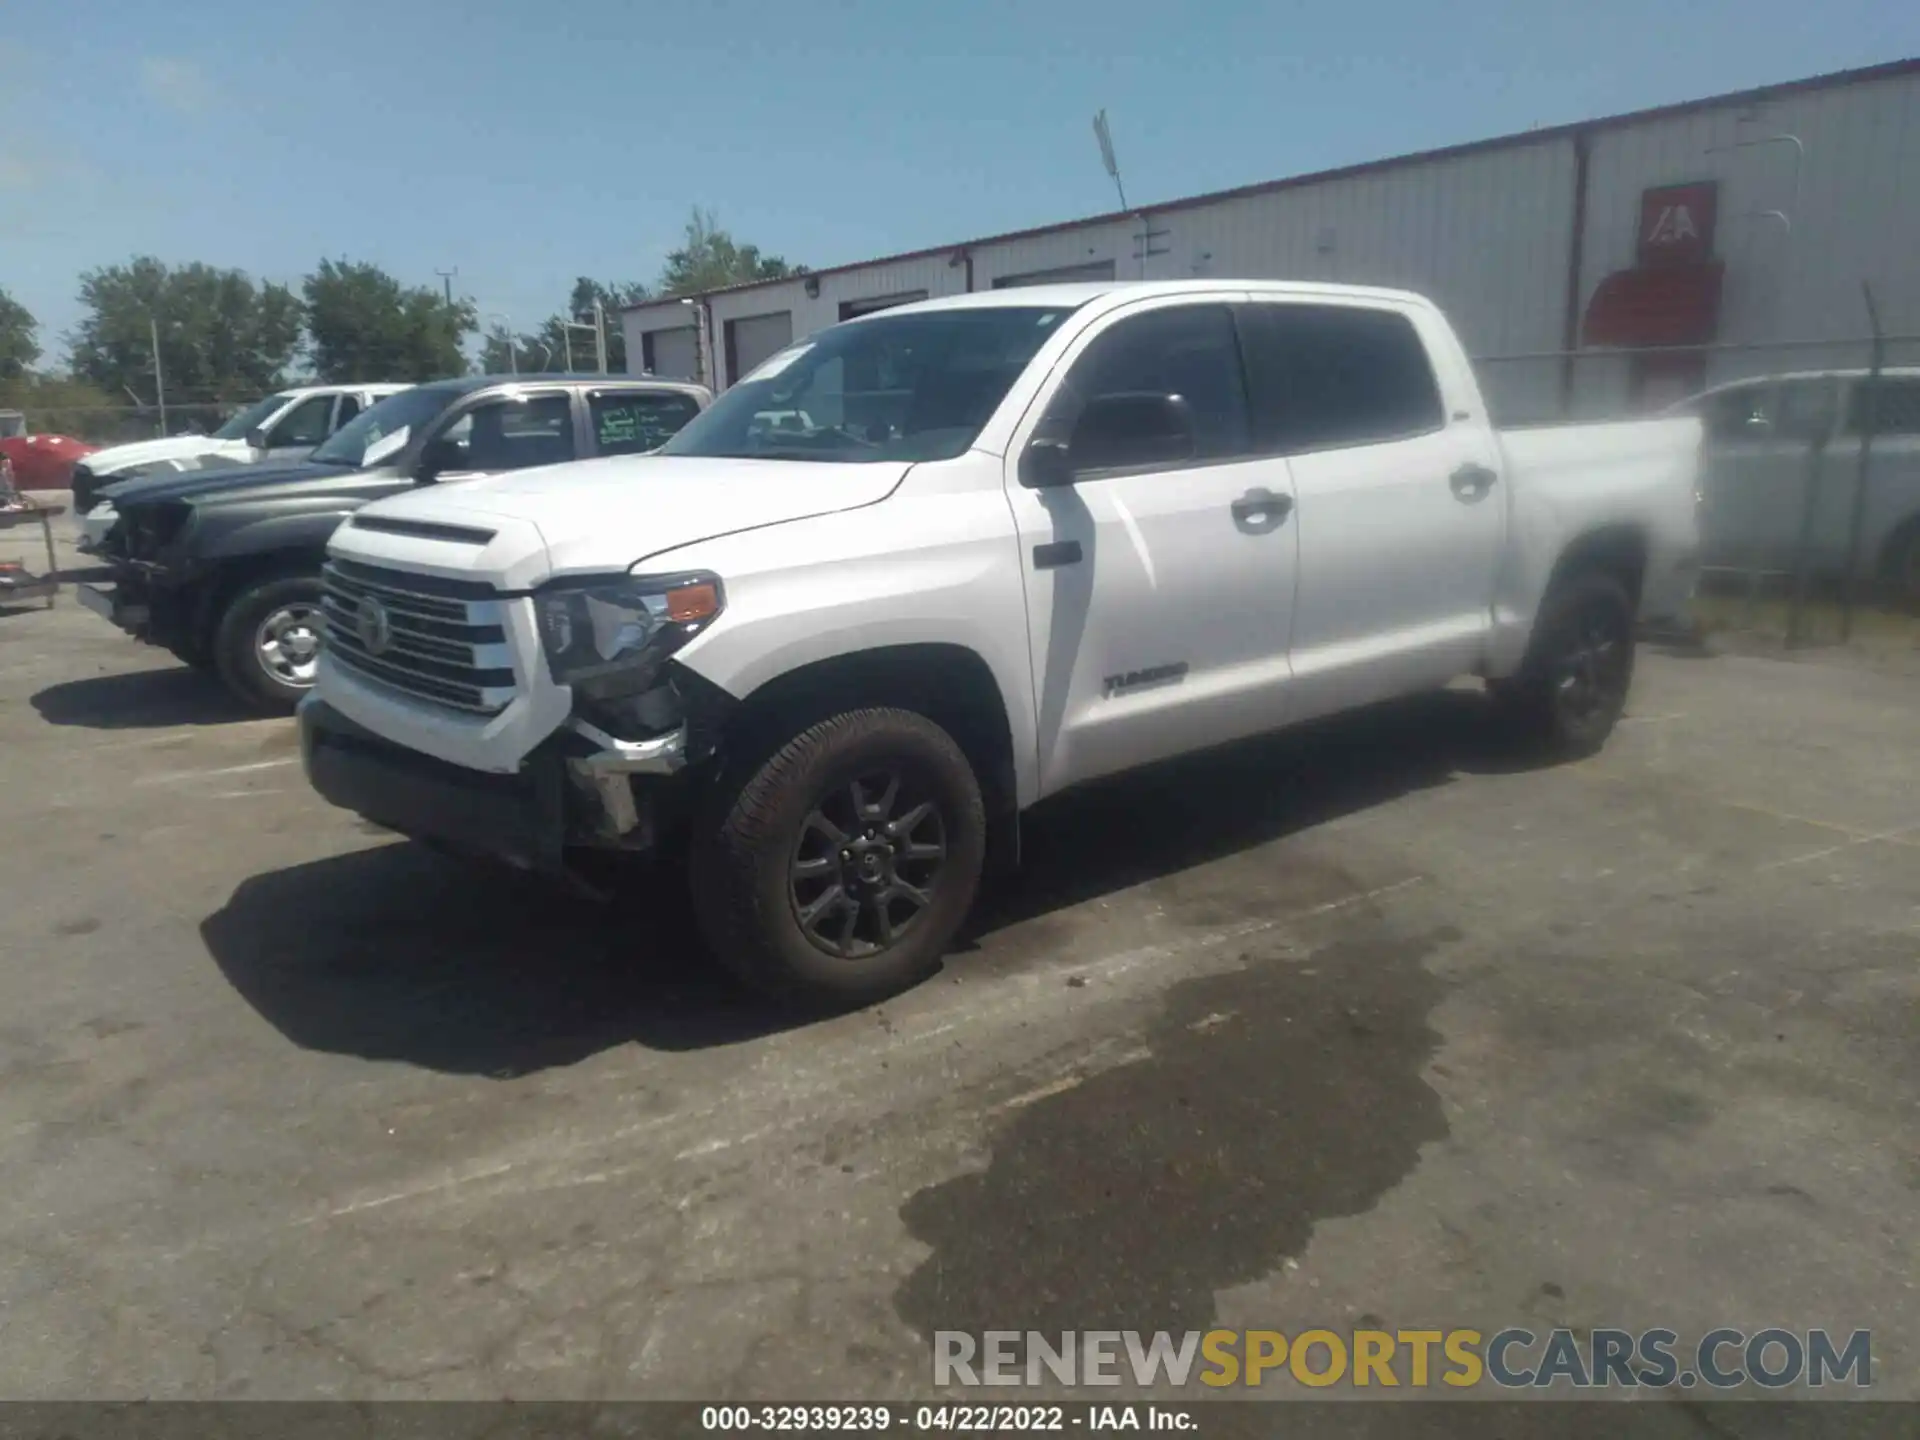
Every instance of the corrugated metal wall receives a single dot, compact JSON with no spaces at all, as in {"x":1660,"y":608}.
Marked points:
{"x":1856,"y":216}
{"x":1485,"y":235}
{"x":1489,"y":235}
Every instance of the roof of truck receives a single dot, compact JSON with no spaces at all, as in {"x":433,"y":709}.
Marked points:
{"x":466,"y":384}
{"x":1071,"y":297}
{"x":368,"y":387}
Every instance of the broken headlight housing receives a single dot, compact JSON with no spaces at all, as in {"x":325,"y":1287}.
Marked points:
{"x":608,"y":636}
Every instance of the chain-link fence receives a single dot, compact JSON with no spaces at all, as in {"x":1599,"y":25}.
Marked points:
{"x":1810,"y":478}
{"x":122,"y":424}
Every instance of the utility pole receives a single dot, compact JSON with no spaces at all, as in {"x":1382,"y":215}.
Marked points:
{"x":1107,"y":159}
{"x":446,"y":280}
{"x":600,"y":331}
{"x":159,"y":379}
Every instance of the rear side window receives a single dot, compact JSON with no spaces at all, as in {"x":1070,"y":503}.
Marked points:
{"x":1323,"y":376}
{"x":1893,"y":407}
{"x":349,"y":407}
{"x":631,"y":423}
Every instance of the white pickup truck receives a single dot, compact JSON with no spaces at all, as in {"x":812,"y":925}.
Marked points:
{"x":1018,"y":541}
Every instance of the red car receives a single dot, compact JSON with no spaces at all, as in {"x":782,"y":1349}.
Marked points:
{"x":43,"y":462}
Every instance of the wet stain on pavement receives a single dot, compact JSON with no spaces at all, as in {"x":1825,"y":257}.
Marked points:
{"x":1274,"y":1097}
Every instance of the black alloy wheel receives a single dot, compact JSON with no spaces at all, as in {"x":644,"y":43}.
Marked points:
{"x":835,"y":868}
{"x":1573,"y":687}
{"x":1592,"y":671}
{"x":868,"y":863}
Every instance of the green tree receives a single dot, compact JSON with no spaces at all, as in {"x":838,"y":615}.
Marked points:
{"x":222,"y":337}
{"x":56,"y":405}
{"x":547,"y":347}
{"x":710,"y":259}
{"x":365,"y":325}
{"x":19,"y":347}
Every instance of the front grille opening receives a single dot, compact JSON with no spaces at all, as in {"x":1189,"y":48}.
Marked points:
{"x":428,"y":638}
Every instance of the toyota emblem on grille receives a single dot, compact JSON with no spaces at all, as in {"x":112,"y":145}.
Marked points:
{"x":373,"y":627}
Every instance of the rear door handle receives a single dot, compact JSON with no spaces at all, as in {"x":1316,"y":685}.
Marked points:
{"x":1261,"y":510}
{"x":1471,"y":482}
{"x":1056,"y":554}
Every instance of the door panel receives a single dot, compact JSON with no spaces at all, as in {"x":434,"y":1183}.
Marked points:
{"x":1159,"y":611}
{"x":1754,"y":481}
{"x":1401,"y":508}
{"x":1396,"y":569}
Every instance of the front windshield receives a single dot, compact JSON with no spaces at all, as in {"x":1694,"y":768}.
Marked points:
{"x":407,"y":412}
{"x":254,"y":414}
{"x":902,"y":387}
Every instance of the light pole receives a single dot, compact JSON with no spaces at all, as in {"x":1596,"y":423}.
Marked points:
{"x":159,"y":379}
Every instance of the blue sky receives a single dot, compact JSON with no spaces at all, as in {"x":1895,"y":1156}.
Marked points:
{"x":525,"y":143}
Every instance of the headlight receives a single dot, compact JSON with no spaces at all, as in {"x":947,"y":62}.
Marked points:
{"x":611,"y":635}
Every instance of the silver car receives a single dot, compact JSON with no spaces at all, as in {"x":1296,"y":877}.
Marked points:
{"x":1760,"y":434}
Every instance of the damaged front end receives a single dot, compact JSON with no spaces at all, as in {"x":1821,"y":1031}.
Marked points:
{"x":148,"y":596}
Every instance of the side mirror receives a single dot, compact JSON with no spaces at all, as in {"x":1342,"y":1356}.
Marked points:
{"x":1044,"y":464}
{"x":1132,"y":428}
{"x":257,"y":437}
{"x":436,"y":458}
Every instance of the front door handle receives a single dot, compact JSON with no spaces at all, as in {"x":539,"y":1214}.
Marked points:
{"x":1471,"y":482}
{"x":1053,"y":556}
{"x":1261,"y":510}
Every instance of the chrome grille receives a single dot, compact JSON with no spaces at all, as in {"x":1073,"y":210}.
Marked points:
{"x":444,"y":640}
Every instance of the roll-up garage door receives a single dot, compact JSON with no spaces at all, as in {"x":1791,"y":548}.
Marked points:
{"x":673,"y":354}
{"x":754,"y":338}
{"x":1071,"y":274}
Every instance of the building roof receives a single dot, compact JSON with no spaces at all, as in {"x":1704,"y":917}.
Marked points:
{"x":1890,"y":70}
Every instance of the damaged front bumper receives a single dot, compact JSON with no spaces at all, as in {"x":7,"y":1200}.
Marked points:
{"x":116,"y":605}
{"x":581,"y":788}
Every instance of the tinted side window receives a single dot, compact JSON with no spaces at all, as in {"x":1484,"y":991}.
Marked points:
{"x":631,"y":424}
{"x":1742,"y":414}
{"x":349,"y":407}
{"x":514,"y":433}
{"x":1323,"y":376}
{"x":1805,"y":410}
{"x":1893,"y":407}
{"x":305,"y":424}
{"x":1188,"y":351}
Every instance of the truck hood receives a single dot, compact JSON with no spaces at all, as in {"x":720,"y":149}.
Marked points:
{"x":245,"y":482}
{"x":597,"y":516}
{"x":179,"y":452}
{"x":177,"y":485}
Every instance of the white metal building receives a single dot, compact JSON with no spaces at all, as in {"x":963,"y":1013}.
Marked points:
{"x":1702,"y":229}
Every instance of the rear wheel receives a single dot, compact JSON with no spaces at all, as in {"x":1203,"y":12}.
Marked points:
{"x":267,"y":642}
{"x":840,"y":868}
{"x":1573,"y":688}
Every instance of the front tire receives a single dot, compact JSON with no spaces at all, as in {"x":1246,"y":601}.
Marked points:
{"x":268,"y":641}
{"x":1572,"y":689}
{"x":838,"y":870}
